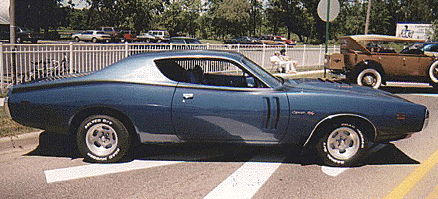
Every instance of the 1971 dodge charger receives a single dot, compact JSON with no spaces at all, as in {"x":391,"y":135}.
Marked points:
{"x":211,"y":96}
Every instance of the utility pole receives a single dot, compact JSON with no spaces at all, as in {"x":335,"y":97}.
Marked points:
{"x":12,"y":39}
{"x":12,"y":21}
{"x":367,"y":22}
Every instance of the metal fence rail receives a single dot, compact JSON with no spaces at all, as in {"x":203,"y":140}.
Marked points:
{"x":25,"y":62}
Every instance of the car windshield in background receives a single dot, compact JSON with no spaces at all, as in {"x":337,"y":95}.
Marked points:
{"x":385,"y":46}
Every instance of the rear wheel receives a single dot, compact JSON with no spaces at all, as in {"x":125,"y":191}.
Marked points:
{"x":369,"y":77}
{"x":94,"y":40}
{"x":103,"y":139}
{"x":343,"y":144}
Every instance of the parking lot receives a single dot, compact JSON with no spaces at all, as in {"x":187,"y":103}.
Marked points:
{"x":46,"y":165}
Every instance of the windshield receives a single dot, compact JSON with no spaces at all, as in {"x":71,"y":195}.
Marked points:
{"x":268,"y":77}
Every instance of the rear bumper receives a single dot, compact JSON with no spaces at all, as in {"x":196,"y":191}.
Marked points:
{"x":6,"y":107}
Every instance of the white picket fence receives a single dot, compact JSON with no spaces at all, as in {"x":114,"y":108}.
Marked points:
{"x":25,"y":62}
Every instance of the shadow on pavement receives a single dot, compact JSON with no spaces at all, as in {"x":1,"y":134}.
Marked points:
{"x":57,"y":145}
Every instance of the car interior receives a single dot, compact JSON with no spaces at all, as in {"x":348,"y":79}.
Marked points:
{"x":213,"y":72}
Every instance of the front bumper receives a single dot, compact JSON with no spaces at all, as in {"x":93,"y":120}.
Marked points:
{"x":426,"y":119}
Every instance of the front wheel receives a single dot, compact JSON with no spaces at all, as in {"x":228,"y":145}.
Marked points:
{"x":102,"y":139}
{"x":342,"y":145}
{"x":369,"y":77}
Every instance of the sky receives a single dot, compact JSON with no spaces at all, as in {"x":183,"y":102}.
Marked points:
{"x":79,"y":3}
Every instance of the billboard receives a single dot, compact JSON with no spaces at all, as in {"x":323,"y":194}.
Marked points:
{"x":4,"y":11}
{"x":414,"y":30}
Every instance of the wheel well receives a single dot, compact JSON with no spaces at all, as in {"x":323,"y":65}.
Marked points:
{"x":366,"y":127}
{"x":80,"y":116}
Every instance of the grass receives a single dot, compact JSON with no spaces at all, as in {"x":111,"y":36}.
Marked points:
{"x":10,"y":128}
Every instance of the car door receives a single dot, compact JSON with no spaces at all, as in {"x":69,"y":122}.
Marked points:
{"x":224,"y":109}
{"x":87,"y":35}
{"x":415,"y":65}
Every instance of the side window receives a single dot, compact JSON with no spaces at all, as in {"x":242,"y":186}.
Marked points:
{"x":213,"y":72}
{"x":434,"y":48}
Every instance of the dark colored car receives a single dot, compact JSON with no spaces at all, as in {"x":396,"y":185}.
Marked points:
{"x":243,"y":40}
{"x":184,"y":43}
{"x":211,"y":96}
{"x":428,"y":48}
{"x":21,"y":34}
{"x":184,"y":40}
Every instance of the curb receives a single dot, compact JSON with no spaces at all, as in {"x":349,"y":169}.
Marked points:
{"x":25,"y":141}
{"x":23,"y":136}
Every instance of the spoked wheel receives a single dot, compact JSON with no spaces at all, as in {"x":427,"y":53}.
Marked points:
{"x":103,"y":139}
{"x":343,"y":145}
{"x":369,"y":77}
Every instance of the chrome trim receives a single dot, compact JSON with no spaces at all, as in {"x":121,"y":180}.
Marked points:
{"x":6,"y":108}
{"x":338,"y":115}
{"x":426,"y":119}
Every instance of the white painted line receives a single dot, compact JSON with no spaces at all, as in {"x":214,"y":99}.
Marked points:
{"x":90,"y":170}
{"x":71,"y":173}
{"x":247,"y":180}
{"x":333,"y":171}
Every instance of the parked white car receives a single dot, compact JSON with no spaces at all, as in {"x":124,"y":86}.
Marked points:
{"x":154,"y":36}
{"x":92,"y":35}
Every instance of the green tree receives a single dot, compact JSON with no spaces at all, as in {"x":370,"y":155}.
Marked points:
{"x":182,"y":17}
{"x":137,"y":14}
{"x":295,"y":16}
{"x":229,"y":17}
{"x":44,"y":14}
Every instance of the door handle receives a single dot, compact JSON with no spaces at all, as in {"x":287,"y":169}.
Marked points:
{"x":188,"y":96}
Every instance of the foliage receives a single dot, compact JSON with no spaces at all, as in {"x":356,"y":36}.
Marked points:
{"x":11,"y":128}
{"x":182,"y":17}
{"x":213,"y":19}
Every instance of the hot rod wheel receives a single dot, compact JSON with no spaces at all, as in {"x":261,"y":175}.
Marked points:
{"x":342,"y":145}
{"x":103,"y":139}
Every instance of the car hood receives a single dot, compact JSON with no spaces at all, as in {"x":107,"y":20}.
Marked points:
{"x":338,"y":87}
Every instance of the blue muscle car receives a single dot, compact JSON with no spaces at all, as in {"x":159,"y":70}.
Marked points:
{"x":211,"y":96}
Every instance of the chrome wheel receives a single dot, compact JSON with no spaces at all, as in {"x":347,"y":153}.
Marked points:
{"x":369,"y":77}
{"x":343,"y":143}
{"x":101,"y":139}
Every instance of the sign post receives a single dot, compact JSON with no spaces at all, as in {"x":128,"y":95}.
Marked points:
{"x":328,"y":10}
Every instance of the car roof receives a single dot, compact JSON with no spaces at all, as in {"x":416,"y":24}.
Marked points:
{"x":136,"y":66}
{"x":382,"y":38}
{"x":355,"y":42}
